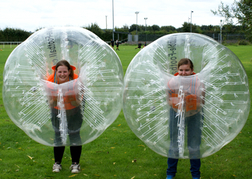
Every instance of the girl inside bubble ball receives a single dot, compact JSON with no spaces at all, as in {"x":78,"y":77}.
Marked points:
{"x":193,"y":118}
{"x":64,"y":72}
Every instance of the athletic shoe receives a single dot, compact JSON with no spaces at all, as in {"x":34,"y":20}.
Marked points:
{"x":196,"y":177}
{"x":75,"y":168}
{"x":169,"y":177}
{"x":56,"y":167}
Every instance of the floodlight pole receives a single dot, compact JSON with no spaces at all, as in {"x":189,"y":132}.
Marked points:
{"x":145,"y":29}
{"x":220,"y":31}
{"x":113,"y":19}
{"x":106,"y":23}
{"x":191,"y":22}
{"x":136,"y":20}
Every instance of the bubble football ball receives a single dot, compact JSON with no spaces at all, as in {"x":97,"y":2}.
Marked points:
{"x":72,"y":113}
{"x":186,"y":116}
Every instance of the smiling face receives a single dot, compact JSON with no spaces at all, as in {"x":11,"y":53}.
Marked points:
{"x":62,"y":74}
{"x":185,"y":70}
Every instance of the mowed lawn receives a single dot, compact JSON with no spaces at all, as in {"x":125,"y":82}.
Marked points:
{"x":118,"y":153}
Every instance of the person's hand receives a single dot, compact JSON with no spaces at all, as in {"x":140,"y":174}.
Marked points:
{"x":71,"y":97}
{"x":191,"y":102}
{"x":53,"y":101}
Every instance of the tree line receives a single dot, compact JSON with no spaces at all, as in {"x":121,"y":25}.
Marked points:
{"x":204,"y":29}
{"x":10,"y":34}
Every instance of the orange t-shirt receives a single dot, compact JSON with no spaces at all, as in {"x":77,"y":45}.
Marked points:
{"x":68,"y":98}
{"x":190,"y":100}
{"x":51,"y":77}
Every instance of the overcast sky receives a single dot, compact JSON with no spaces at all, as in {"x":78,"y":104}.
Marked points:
{"x":30,"y":15}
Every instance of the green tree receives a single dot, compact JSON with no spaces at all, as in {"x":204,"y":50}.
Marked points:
{"x":239,"y":10}
{"x":133,"y":27}
{"x":1,"y":36}
{"x":139,"y":28}
{"x":186,"y":27}
{"x":95,"y":29}
{"x":155,"y":28}
{"x":106,"y":35}
{"x":125,"y":27}
{"x":10,"y":34}
{"x":168,"y":29}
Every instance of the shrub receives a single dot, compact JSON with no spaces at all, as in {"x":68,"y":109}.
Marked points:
{"x":244,"y":42}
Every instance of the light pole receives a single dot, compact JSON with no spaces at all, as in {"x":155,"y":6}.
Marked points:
{"x":113,"y":18}
{"x":136,"y":20}
{"x":220,"y":31}
{"x":145,"y":29}
{"x":106,"y":22}
{"x":191,"y":22}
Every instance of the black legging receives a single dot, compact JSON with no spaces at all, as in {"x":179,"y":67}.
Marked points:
{"x":74,"y":150}
{"x":74,"y":122}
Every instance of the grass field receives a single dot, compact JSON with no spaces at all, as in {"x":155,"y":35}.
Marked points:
{"x":118,"y":153}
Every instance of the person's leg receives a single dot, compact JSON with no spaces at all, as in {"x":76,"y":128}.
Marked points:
{"x":75,"y":153}
{"x":173,"y":149}
{"x":58,"y":154}
{"x":194,"y":127}
{"x":173,"y":131}
{"x":56,"y":123}
{"x":195,"y":167}
{"x":74,"y":120}
{"x":58,"y":150}
{"x":172,"y":167}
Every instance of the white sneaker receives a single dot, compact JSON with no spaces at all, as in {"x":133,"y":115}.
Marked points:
{"x":56,"y":167}
{"x":75,"y":168}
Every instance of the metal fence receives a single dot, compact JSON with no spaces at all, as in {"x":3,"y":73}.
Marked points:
{"x":227,"y":37}
{"x":9,"y":43}
{"x":215,"y":36}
